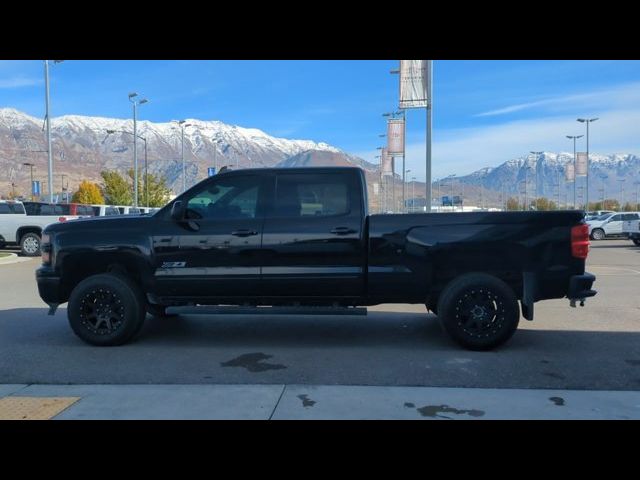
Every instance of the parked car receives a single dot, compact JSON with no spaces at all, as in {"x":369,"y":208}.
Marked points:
{"x":247,"y":238}
{"x":595,"y":214}
{"x":64,"y":209}
{"x":18,"y":228}
{"x":610,"y":225}
{"x":105,"y":210}
{"x":128,"y":210}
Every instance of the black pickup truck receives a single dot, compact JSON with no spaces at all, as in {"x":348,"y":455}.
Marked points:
{"x":301,"y":241}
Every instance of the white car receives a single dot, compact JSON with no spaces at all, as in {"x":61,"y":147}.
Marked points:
{"x":18,"y":228}
{"x":105,"y":210}
{"x":610,"y":224}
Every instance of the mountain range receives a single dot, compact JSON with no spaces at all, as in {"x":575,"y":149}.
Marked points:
{"x":83,"y":147}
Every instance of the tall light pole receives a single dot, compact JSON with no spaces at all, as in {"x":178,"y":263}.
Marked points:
{"x":183,"y":124}
{"x":537,"y":154}
{"x":146,"y":163}
{"x":48,"y":123}
{"x":413,"y":194}
{"x":622,"y":193}
{"x":31,"y":165}
{"x":404,"y":201}
{"x":603,"y":178}
{"x":587,"y":121}
{"x":574,"y":138}
{"x":135,"y":103}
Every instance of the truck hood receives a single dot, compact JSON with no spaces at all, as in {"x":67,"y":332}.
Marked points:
{"x":100,"y":223}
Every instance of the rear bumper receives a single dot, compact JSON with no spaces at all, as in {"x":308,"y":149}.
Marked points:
{"x":49,"y":286}
{"x":580,"y":286}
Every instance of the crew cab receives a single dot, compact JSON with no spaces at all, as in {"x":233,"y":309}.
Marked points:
{"x":300,"y":240}
{"x":19,"y":228}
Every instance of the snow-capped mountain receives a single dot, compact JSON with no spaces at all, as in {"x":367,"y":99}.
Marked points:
{"x":614,"y":173}
{"x":83,"y":147}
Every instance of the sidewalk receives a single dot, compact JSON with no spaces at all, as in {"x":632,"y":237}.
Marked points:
{"x":280,"y":402}
{"x":13,"y":258}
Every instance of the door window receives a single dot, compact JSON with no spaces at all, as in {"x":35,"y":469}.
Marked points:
{"x":616,"y":218}
{"x":227,"y":198}
{"x":321,"y":195}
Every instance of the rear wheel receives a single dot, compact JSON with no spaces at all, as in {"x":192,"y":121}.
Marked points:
{"x":479,"y":311}
{"x":30,"y":244}
{"x":106,"y":309}
{"x":597,"y":234}
{"x":636,"y":241}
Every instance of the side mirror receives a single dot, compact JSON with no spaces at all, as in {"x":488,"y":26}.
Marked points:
{"x":177,"y":211}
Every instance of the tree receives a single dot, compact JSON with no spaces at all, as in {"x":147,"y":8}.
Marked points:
{"x":513,"y":204}
{"x":117,"y":190}
{"x":159,"y":192}
{"x":543,"y":203}
{"x":629,"y":207}
{"x":88,"y":193}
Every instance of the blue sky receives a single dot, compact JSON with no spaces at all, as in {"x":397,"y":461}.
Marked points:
{"x":485,"y":112}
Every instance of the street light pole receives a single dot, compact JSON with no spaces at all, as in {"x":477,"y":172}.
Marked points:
{"x":587,"y":121}
{"x":135,"y":103}
{"x":404,"y":200}
{"x":413,"y":194}
{"x":31,"y":165}
{"x":48,"y":123}
{"x":574,"y":138}
{"x":183,"y":124}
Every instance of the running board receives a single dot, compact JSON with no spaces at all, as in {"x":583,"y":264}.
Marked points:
{"x":231,"y":310}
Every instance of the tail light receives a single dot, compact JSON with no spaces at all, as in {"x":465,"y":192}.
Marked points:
{"x":62,"y":219}
{"x":580,"y":241}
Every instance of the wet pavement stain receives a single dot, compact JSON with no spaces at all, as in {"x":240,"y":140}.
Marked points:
{"x":306,"y":401}
{"x":634,"y":362}
{"x":554,"y":375}
{"x":435,"y":411}
{"x":545,"y":361}
{"x":558,"y":401}
{"x":253,"y":362}
{"x":409,"y":405}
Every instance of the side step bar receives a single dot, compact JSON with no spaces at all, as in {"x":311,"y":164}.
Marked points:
{"x":231,"y":310}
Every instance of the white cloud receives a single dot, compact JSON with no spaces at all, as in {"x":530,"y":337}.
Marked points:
{"x":20,"y":81}
{"x":622,"y":95}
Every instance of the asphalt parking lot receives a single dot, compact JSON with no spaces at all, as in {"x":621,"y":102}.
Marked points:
{"x":592,"y":348}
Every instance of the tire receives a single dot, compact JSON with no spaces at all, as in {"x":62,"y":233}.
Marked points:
{"x":637,"y":241}
{"x":159,"y":311}
{"x":118,"y":316}
{"x":597,"y":234}
{"x":30,"y":245}
{"x":479,"y":311}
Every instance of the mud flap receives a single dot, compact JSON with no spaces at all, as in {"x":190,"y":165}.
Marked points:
{"x":529,"y":289}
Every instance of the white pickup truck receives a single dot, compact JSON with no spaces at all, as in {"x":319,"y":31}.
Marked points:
{"x":18,"y":228}
{"x":631,"y":228}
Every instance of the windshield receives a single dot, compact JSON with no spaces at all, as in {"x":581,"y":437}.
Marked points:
{"x":603,"y":217}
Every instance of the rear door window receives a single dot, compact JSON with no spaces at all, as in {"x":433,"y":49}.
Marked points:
{"x":322,"y":195}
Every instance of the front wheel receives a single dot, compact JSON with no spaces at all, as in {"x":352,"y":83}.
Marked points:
{"x":106,"y":309}
{"x":30,"y":244}
{"x":597,"y":234}
{"x":479,"y":311}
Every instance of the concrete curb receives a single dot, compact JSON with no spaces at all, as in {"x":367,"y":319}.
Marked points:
{"x":321,"y":402}
{"x":14,"y":258}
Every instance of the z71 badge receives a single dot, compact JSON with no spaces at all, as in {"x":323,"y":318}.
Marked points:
{"x":173,"y":264}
